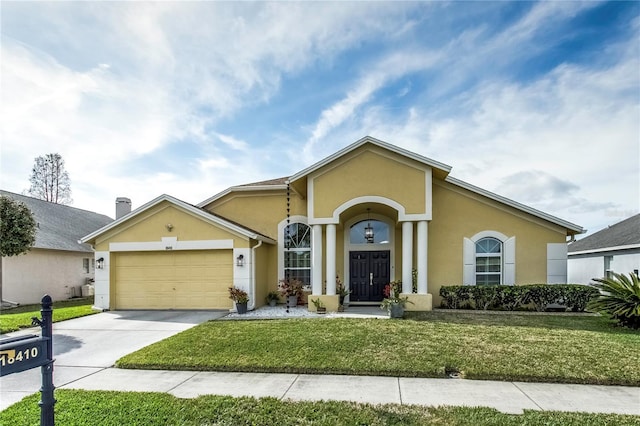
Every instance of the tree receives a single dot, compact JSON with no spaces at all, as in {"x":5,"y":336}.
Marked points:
{"x":17,"y":228}
{"x":49,"y":180}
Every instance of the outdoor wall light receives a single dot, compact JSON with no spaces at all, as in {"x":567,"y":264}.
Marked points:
{"x":169,"y":227}
{"x":100,"y":263}
{"x":240,"y":260}
{"x":368,"y":230}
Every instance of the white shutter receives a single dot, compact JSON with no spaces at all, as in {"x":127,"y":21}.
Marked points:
{"x":556,"y":263}
{"x":509,"y":274}
{"x":469,"y":262}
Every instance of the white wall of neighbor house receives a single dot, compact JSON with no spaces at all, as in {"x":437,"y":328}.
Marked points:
{"x":583,"y":268}
{"x":60,"y":274}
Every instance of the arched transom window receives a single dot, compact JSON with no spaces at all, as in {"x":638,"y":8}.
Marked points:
{"x":297,"y":252}
{"x":488,"y":261}
{"x":379,"y":229}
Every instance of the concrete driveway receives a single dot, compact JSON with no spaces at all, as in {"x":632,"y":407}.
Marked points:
{"x":84,"y":346}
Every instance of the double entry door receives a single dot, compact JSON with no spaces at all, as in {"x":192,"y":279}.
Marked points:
{"x":369,"y":272}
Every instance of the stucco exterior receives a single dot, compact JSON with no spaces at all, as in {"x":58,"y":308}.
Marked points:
{"x":60,"y":274}
{"x":428,"y":227}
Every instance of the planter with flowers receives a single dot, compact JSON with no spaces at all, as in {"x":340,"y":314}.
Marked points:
{"x":272,"y":298}
{"x":393,"y":303}
{"x":241,"y":299}
{"x":291,"y":288}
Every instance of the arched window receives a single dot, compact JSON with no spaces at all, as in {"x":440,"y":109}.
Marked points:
{"x":488,"y":261}
{"x":380,"y":230}
{"x":297,"y":252}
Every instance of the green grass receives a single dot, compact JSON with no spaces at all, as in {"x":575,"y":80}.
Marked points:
{"x":76,"y":407}
{"x":20,"y":317}
{"x":566,"y":349}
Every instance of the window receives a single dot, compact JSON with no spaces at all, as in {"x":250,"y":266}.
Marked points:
{"x":380,"y":232}
{"x":85,"y":265}
{"x":297,"y":252}
{"x":488,"y":261}
{"x":489,"y":257}
{"x":608,"y":272}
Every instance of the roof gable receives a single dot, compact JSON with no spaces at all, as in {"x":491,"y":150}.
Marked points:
{"x":60,"y":227}
{"x":196,"y":211}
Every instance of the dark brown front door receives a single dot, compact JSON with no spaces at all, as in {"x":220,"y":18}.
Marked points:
{"x":369,"y":273}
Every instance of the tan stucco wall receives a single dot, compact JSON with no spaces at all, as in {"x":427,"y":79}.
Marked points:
{"x":458,"y":213}
{"x":367,"y":172}
{"x":260,"y":211}
{"x":28,"y":277}
{"x":264,"y":282}
{"x":151,"y":226}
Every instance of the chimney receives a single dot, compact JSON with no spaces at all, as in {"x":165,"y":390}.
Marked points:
{"x":123,"y":207}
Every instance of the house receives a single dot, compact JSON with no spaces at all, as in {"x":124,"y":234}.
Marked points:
{"x":613,"y":249}
{"x":58,"y":264}
{"x":369,"y":214}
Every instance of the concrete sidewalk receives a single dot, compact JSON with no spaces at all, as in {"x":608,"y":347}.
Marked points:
{"x":508,"y":397}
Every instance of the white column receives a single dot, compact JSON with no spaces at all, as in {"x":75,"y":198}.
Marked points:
{"x":422,"y":252}
{"x":316,"y":260}
{"x":407,"y":256}
{"x":331,"y":260}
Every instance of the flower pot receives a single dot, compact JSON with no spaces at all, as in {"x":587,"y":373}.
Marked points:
{"x":396,"y":311}
{"x":322,"y":310}
{"x":241,"y":308}
{"x":272,"y":303}
{"x":292,"y":301}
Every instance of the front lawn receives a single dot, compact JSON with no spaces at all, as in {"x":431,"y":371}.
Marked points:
{"x":511,"y":347}
{"x":77,"y":407}
{"x":20,"y":317}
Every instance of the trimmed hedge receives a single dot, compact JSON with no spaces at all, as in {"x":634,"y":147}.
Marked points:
{"x":510,"y":298}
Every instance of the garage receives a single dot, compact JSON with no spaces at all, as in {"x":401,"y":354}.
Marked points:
{"x":189,"y":279}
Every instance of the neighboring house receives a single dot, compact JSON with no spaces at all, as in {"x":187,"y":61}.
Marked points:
{"x":58,"y":264}
{"x":613,"y":249}
{"x":369,"y":214}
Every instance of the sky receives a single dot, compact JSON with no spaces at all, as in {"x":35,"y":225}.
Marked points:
{"x":535,"y":101}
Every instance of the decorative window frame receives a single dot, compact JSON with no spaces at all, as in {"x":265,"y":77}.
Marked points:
{"x":508,"y":257}
{"x":281,"y":248}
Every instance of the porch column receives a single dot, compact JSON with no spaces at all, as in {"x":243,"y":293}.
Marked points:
{"x":331,"y":260}
{"x":316,"y":260}
{"x":422,"y":252}
{"x":407,"y":256}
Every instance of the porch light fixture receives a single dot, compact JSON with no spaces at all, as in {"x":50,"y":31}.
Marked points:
{"x":368,"y":230}
{"x":100,"y":263}
{"x":240,"y":260}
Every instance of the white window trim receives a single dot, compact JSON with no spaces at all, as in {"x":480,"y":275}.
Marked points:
{"x":281,"y":249}
{"x":508,"y":257}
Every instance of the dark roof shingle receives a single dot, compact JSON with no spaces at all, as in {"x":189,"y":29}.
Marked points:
{"x":59,"y":227}
{"x":624,"y":233}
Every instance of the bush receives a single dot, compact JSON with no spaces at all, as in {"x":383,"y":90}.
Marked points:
{"x":619,"y":297}
{"x":510,"y":298}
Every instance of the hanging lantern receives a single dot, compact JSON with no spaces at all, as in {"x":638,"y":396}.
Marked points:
{"x":368,"y":230}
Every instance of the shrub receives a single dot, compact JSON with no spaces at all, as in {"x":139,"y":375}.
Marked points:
{"x":510,"y":298}
{"x":619,"y":297}
{"x":577,"y":296}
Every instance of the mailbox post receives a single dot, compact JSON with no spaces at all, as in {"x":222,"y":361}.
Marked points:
{"x":27,"y":352}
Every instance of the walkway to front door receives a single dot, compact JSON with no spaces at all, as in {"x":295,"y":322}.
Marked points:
{"x":369,"y":273}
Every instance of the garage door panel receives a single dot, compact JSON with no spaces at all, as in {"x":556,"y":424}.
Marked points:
{"x":173,"y":280}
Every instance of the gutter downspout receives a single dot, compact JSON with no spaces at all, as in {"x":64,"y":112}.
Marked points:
{"x":252,"y":278}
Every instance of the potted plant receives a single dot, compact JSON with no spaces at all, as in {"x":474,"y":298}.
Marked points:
{"x":272,"y":298}
{"x":241,"y":299}
{"x":342,"y":292}
{"x":393,"y":303}
{"x":320,"y":308}
{"x":291,"y":288}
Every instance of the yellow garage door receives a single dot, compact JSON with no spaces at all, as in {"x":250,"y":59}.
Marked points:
{"x":173,"y":280}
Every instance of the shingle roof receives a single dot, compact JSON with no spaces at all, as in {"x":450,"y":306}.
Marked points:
{"x":270,"y":182}
{"x":623,"y":233}
{"x":59,"y":226}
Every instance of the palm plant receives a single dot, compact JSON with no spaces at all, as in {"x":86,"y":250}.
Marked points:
{"x":619,"y":297}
